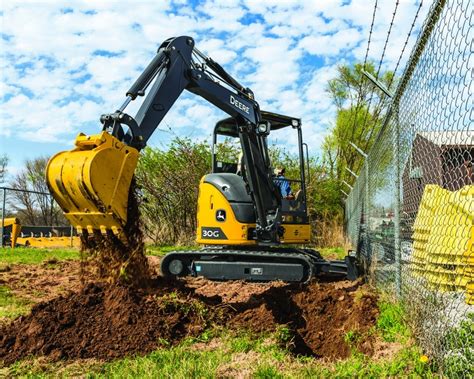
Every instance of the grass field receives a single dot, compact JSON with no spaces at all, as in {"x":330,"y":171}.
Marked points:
{"x":218,"y":351}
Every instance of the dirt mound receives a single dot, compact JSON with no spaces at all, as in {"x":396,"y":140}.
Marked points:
{"x":107,"y":322}
{"x":318,"y":316}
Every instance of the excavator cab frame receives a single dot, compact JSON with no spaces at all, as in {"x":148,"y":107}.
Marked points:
{"x":293,"y":211}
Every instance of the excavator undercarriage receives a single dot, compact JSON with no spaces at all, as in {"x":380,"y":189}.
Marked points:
{"x":257,"y":264}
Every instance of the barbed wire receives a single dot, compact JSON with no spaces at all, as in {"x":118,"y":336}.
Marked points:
{"x":367,"y":112}
{"x":405,"y":44}
{"x":386,"y":40}
{"x":370,"y":33}
{"x":359,"y":97}
{"x":377,"y":116}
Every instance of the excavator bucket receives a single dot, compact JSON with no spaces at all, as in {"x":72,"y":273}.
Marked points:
{"x":91,"y":183}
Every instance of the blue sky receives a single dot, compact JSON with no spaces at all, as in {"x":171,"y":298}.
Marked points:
{"x":65,"y":63}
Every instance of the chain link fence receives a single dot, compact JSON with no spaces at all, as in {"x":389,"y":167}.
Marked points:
{"x":410,"y":214}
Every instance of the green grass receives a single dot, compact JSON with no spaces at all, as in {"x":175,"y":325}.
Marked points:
{"x":391,"y":324}
{"x":10,"y":305}
{"x":405,"y":363}
{"x":460,"y":344}
{"x":332,"y":252}
{"x":229,"y":354}
{"x":26,"y":255}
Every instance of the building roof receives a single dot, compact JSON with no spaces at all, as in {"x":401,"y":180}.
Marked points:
{"x":450,"y":137}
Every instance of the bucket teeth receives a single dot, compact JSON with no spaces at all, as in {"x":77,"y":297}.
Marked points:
{"x":91,"y":182}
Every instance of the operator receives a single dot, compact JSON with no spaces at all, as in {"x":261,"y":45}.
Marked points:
{"x":283,"y":184}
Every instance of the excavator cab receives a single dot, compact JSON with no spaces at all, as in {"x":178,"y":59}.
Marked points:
{"x":226,"y":214}
{"x":294,"y":206}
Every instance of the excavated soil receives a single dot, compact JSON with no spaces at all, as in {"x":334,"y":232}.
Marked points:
{"x":120,"y":260}
{"x":110,"y":321}
{"x":43,"y":282}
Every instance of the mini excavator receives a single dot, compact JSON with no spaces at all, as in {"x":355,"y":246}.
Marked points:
{"x":244,"y":222}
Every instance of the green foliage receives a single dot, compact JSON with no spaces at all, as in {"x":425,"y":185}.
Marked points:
{"x":355,"y":122}
{"x":244,"y":342}
{"x":36,"y":256}
{"x":228,"y":150}
{"x":170,"y":183}
{"x":352,"y":337}
{"x":390,"y":322}
{"x":284,"y":335}
{"x":171,"y":302}
{"x":267,"y":371}
{"x":333,"y":252}
{"x":459,"y":347}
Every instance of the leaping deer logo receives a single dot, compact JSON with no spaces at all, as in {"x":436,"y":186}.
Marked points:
{"x":220,"y":215}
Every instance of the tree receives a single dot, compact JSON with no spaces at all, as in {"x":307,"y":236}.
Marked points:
{"x":169,"y":180}
{"x":361,"y":107}
{"x":34,"y":208}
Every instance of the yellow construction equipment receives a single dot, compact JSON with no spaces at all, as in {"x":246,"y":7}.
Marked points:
{"x":16,"y":229}
{"x":246,"y":213}
{"x":91,"y":183}
{"x":37,"y":236}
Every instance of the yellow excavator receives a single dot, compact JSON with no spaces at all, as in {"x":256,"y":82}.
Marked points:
{"x":244,"y":221}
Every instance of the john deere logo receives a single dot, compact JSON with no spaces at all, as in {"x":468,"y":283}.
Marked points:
{"x":220,"y":215}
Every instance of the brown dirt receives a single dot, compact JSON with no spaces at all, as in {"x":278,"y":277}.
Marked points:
{"x":43,"y":282}
{"x":110,"y":321}
{"x":318,"y":315}
{"x":120,"y":259}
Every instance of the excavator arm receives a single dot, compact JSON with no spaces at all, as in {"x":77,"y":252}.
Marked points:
{"x":91,"y":182}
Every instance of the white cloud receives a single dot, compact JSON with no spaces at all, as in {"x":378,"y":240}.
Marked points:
{"x":284,"y":50}
{"x":331,"y":44}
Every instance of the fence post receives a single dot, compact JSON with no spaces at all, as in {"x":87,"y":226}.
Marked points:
{"x":396,"y":236}
{"x":367,"y":209}
{"x":51,"y":204}
{"x":3,"y":212}
{"x":366,"y":206}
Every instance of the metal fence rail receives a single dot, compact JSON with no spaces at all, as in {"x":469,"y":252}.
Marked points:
{"x":34,"y":209}
{"x":410,"y":214}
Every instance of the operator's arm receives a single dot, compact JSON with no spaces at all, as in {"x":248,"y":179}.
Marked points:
{"x":286,"y":187}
